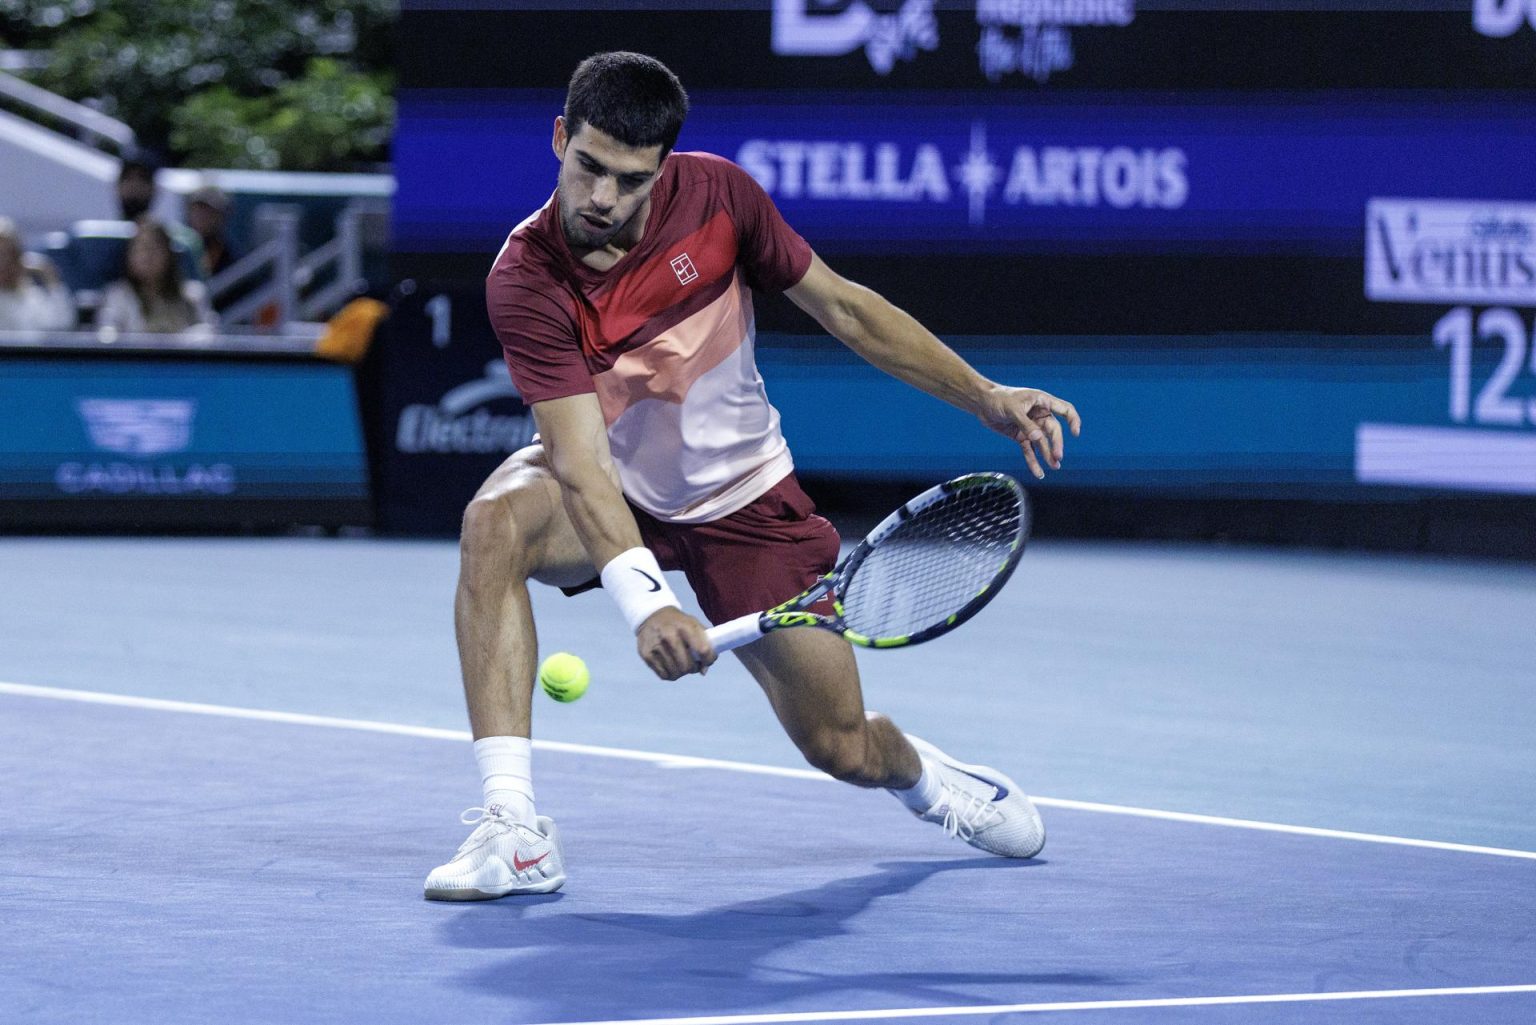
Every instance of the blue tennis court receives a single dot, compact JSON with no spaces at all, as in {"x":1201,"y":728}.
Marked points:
{"x":1279,"y":788}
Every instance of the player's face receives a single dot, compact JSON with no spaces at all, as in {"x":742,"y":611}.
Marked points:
{"x":603,"y":184}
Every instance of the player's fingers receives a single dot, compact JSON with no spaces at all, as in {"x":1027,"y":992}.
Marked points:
{"x":656,"y":665}
{"x":1062,"y":407}
{"x":1031,"y":435}
{"x":1050,"y":452}
{"x":662,"y":657}
{"x":695,"y":639}
{"x":679,"y":654}
{"x":666,"y":662}
{"x":1029,"y":457}
{"x":695,"y":653}
{"x":1051,"y":445}
{"x":703,"y":652}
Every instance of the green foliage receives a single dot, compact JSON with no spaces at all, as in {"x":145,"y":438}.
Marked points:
{"x":241,"y":83}
{"x":327,"y":119}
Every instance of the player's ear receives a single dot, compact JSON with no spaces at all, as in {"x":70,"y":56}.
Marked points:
{"x":560,"y":139}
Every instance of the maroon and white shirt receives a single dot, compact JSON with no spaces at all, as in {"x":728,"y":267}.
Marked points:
{"x":665,"y":337}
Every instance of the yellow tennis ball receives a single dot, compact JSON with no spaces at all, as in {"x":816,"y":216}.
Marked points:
{"x":564,"y":677}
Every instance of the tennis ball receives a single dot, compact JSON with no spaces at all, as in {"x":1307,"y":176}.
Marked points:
{"x":564,"y":677}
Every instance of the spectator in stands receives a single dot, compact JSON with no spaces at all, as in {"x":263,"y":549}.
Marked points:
{"x":152,"y":296}
{"x":136,"y":184}
{"x":137,"y":192}
{"x":32,"y":298}
{"x":207,"y":212}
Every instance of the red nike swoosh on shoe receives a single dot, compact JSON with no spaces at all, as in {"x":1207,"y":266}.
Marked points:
{"x":522,"y":866}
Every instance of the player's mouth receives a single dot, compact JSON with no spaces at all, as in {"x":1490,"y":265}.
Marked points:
{"x":593,"y":222}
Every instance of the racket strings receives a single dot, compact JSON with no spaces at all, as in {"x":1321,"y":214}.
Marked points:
{"x":934,"y":564}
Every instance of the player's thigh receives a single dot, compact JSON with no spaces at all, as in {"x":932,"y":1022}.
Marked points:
{"x":518,"y":516}
{"x":811,"y":680}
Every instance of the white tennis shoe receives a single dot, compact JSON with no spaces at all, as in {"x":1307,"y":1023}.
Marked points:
{"x":502,"y":856}
{"x":982,"y":807}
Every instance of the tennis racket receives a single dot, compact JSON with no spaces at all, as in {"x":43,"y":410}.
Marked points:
{"x":928,"y":567}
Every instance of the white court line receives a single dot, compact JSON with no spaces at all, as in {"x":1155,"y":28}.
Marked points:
{"x":673,"y":761}
{"x":1083,"y":1005}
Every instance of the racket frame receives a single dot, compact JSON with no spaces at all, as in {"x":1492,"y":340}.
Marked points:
{"x":795,"y":612}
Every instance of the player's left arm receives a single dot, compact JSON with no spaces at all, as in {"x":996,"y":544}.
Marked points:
{"x":894,"y":341}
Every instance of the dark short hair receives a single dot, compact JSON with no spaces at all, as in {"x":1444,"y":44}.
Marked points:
{"x":139,"y":162}
{"x":632,"y":97}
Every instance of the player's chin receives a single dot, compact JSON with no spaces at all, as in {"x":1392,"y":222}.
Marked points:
{"x":580,"y":235}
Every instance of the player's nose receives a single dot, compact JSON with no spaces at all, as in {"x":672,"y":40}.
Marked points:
{"x":605,"y":194}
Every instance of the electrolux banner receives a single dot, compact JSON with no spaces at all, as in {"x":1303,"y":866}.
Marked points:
{"x":449,"y":412}
{"x":117,"y":438}
{"x":1274,"y":175}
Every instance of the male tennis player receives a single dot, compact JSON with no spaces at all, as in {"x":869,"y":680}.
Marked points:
{"x":624,"y":309}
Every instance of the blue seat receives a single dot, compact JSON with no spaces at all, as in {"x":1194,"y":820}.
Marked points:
{"x":92,"y":253}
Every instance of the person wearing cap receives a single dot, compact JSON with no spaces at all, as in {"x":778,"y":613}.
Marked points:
{"x":207,"y":214}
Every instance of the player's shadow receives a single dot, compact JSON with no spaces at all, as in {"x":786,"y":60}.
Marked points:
{"x":761,"y":953}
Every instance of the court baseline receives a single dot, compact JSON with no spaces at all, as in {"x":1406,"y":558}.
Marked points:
{"x":676,"y":761}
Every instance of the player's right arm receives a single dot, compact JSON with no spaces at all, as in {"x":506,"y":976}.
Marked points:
{"x":575,"y":438}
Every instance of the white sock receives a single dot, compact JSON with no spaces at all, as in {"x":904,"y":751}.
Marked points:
{"x":923,"y":794}
{"x":506,"y":774}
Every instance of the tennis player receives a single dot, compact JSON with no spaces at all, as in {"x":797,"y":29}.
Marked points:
{"x":624,"y":308}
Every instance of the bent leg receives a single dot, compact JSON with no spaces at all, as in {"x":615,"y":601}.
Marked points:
{"x":812,"y":682}
{"x":515,"y":530}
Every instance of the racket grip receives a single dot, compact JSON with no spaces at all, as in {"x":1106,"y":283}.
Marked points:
{"x":733,"y":633}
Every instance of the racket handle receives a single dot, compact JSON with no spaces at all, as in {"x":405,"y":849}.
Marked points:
{"x":733,"y":633}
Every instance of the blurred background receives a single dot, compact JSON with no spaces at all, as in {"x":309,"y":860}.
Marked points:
{"x":1281,"y":255}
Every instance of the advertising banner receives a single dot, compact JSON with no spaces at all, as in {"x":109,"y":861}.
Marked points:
{"x":180,"y":441}
{"x":1480,"y":432}
{"x":930,"y":173}
{"x":448,"y":411}
{"x":1024,"y":47}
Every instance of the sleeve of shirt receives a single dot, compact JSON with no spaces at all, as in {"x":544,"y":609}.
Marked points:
{"x":772,"y":254}
{"x":539,"y":340}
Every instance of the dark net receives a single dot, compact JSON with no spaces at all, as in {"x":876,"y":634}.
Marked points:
{"x":932,"y":565}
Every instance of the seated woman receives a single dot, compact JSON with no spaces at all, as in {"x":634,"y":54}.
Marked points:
{"x":31,"y":296}
{"x":152,"y":296}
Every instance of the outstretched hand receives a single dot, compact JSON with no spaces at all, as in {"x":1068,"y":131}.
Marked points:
{"x":1028,"y":416}
{"x":674,"y":644}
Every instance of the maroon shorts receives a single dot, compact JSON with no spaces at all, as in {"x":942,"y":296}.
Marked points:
{"x":760,"y":555}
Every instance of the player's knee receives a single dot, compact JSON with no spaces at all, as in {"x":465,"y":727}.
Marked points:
{"x":840,"y":753}
{"x":490,"y":538}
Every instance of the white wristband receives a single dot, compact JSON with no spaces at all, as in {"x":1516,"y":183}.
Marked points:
{"x":634,"y":581}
